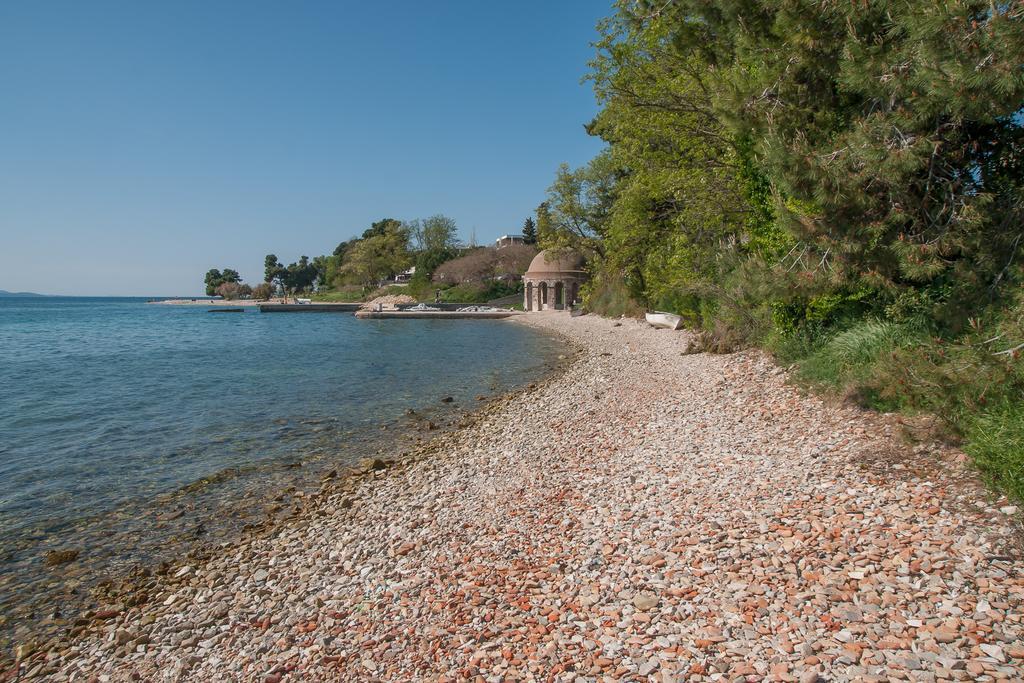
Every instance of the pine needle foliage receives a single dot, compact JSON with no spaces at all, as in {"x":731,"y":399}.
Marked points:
{"x":838,"y":181}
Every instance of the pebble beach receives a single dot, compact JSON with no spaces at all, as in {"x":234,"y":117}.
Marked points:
{"x":644,"y":514}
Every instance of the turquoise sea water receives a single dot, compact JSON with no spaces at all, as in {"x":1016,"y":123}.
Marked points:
{"x":127,"y":429}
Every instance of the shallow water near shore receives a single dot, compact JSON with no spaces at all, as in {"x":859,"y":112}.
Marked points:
{"x":129,"y":432}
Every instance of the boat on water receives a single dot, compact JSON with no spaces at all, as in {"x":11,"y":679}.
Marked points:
{"x":668,"y":321}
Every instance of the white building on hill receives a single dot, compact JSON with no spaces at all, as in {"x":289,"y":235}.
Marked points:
{"x":506,"y":240}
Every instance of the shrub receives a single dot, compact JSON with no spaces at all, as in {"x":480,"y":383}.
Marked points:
{"x":513,"y":259}
{"x":229,"y":290}
{"x":474,"y":266}
{"x":485,"y":263}
{"x":262,"y":291}
{"x":607,"y":294}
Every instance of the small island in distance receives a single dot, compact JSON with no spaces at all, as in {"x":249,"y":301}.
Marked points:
{"x":4,"y":292}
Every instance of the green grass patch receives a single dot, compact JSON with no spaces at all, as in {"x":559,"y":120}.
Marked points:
{"x":856,"y":356}
{"x":892,"y":366}
{"x":342,"y":295}
{"x":995,"y":441}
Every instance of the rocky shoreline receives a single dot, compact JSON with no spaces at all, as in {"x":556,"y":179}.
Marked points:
{"x":645,"y":515}
{"x":110,"y":557}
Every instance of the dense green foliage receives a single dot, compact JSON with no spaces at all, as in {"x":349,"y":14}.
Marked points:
{"x":839,"y":182}
{"x":215,"y":278}
{"x":295,"y":277}
{"x":529,"y":231}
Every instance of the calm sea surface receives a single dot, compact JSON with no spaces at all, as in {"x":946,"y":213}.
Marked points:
{"x":127,"y":429}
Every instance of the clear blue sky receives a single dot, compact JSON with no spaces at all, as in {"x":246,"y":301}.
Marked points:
{"x":143,"y":143}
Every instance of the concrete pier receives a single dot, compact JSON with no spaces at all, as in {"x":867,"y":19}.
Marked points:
{"x":338,"y":307}
{"x":438,"y":315}
{"x":322,"y":307}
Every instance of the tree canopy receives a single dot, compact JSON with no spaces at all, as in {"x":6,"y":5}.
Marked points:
{"x":529,"y":231}
{"x":818,"y":177}
{"x":868,"y":152}
{"x":215,"y":278}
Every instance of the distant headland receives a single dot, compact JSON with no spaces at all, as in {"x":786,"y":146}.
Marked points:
{"x":4,"y":292}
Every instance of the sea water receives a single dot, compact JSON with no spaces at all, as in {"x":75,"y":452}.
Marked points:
{"x":128,"y":429}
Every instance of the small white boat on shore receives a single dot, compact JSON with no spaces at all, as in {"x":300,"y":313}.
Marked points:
{"x":303,"y":301}
{"x":668,"y":321}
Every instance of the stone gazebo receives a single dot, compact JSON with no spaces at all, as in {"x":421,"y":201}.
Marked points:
{"x":553,"y":280}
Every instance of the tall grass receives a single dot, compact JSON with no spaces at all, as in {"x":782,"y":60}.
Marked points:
{"x":854,"y":357}
{"x":975,"y":390}
{"x":994,"y":438}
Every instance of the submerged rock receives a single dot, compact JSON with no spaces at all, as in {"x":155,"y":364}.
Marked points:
{"x":59,"y":557}
{"x":373,"y":464}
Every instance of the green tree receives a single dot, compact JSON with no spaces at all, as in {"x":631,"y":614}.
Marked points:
{"x":382,"y":227}
{"x":543,"y":221}
{"x":299,"y":276}
{"x":215,"y":278}
{"x":378,"y":257}
{"x":212,"y":280}
{"x":529,"y":231}
{"x":434,"y":242}
{"x":343,"y":247}
{"x":273,"y":270}
{"x":578,"y":205}
{"x":435,"y":234}
{"x":321,"y":267}
{"x":670,"y":204}
{"x":890,"y":135}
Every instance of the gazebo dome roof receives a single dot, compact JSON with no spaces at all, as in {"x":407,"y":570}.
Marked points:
{"x":556,"y":262}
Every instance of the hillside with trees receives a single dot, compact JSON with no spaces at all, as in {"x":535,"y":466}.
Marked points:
{"x":840,"y":184}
